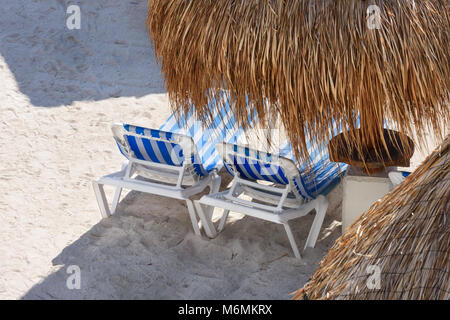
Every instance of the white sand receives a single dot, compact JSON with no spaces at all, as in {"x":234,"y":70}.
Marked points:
{"x":59,"y":92}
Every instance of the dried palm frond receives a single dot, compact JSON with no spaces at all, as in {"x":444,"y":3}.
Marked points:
{"x":315,"y":62}
{"x":406,"y":235}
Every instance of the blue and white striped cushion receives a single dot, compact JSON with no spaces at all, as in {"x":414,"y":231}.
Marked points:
{"x":158,"y":151}
{"x":255,"y":165}
{"x":252,"y":169}
{"x":317,"y":179}
{"x":158,"y":146}
{"x":319,"y":175}
{"x":222,"y":128}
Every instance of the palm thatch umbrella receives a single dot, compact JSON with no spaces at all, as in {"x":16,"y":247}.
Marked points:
{"x":406,"y":235}
{"x":315,"y":62}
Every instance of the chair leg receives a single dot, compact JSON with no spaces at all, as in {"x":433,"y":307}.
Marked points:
{"x":292,"y":240}
{"x":214,"y":187}
{"x":116,"y":199}
{"x":207,"y":224}
{"x":215,"y":183}
{"x":194,"y":221}
{"x":237,"y":192}
{"x":101,"y":199}
{"x":118,"y":191}
{"x":223,"y":220}
{"x":321,"y":209}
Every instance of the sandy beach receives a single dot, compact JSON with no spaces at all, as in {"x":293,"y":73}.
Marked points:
{"x":60,"y":90}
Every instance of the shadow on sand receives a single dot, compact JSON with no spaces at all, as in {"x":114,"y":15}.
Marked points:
{"x":110,"y":56}
{"x":149,"y":251}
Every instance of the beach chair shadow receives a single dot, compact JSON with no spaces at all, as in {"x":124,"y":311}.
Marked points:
{"x":146,"y":252}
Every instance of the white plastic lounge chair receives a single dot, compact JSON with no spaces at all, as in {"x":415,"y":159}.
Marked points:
{"x":170,"y":160}
{"x":293,"y":192}
{"x":182,"y":150}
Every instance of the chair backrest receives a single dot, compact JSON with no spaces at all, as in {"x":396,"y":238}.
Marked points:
{"x":317,"y":176}
{"x":157,"y":146}
{"x":253,"y":164}
{"x":223,"y":127}
{"x":307,"y":180}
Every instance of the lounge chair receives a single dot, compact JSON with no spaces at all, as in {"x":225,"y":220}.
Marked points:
{"x":180,"y":159}
{"x":292,"y":192}
{"x":169,"y":162}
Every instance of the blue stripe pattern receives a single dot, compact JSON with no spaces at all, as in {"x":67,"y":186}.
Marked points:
{"x":317,"y":178}
{"x":223,"y":127}
{"x":158,"y":146}
{"x":318,"y":175}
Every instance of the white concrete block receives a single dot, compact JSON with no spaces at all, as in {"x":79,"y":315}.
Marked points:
{"x":359,"y":193}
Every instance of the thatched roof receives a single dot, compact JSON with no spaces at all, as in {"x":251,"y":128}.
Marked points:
{"x":406,"y":234}
{"x":312,"y":61}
